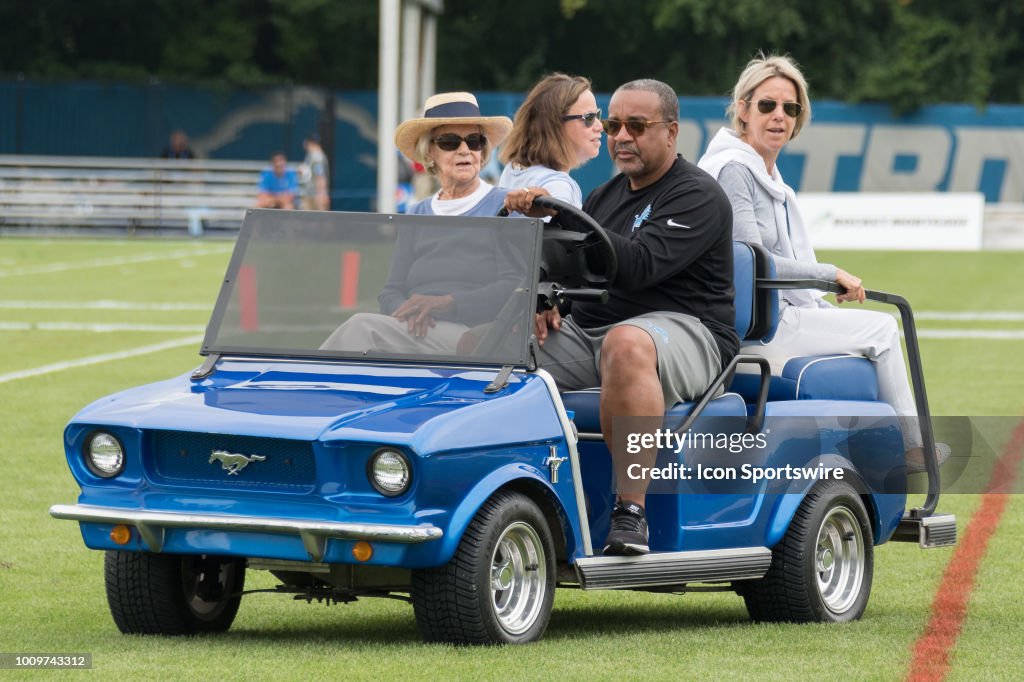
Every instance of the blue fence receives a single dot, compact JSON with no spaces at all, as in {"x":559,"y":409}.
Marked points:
{"x":846,"y":148}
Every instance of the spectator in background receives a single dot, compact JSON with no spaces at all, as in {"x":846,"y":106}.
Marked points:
{"x":315,"y":176}
{"x":279,"y":184}
{"x":404,"y":197}
{"x":177,"y":147}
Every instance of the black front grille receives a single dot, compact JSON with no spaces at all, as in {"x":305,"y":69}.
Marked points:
{"x":210,"y":458}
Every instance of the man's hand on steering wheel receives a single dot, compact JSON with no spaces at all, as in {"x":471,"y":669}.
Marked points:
{"x":418,"y":312}
{"x":521,"y":201}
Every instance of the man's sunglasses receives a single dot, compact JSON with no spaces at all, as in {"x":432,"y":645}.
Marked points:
{"x":635,"y":126}
{"x":449,"y":142}
{"x":588,"y":119}
{"x":791,"y":109}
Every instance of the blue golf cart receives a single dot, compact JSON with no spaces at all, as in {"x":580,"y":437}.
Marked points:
{"x":453,"y":473}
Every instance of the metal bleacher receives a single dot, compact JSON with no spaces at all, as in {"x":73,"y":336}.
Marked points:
{"x":51,"y":193}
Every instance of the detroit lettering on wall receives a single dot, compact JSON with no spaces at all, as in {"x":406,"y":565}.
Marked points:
{"x":846,"y":148}
{"x":864,"y":148}
{"x":850,"y":148}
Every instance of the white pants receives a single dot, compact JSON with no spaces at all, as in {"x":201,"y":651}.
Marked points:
{"x":874,"y":335}
{"x":383,"y":333}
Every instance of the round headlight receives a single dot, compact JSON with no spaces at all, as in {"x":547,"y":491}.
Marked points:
{"x":104,"y":455}
{"x":389,"y":472}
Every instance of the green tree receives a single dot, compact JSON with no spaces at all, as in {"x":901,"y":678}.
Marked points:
{"x":907,"y":53}
{"x":326,"y":42}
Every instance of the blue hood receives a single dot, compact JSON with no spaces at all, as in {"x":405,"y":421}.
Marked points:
{"x":413,"y":406}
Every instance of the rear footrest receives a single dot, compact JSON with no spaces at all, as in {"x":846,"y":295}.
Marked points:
{"x":938,"y":530}
{"x":673,"y":568}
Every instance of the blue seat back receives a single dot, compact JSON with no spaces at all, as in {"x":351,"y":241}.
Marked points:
{"x":757,"y":310}
{"x":803,"y":378}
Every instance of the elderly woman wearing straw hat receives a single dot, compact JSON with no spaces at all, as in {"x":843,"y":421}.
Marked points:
{"x":453,"y":141}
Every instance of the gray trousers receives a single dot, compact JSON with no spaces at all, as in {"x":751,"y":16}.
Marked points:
{"x":688,"y":357}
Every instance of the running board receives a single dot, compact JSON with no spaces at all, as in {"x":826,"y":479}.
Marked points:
{"x":672,"y":568}
{"x":938,"y":530}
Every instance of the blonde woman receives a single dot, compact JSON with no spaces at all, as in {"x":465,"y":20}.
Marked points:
{"x":769,"y":108}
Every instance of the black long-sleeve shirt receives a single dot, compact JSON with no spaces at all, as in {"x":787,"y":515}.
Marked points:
{"x":673,"y":240}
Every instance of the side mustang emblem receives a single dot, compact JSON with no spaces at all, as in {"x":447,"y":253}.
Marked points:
{"x":233,"y":462}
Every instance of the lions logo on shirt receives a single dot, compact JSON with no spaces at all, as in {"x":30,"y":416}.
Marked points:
{"x":639,"y":219}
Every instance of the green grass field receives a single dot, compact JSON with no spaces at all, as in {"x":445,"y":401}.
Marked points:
{"x":62,"y":301}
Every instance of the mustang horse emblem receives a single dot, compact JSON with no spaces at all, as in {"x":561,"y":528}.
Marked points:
{"x":233,"y":462}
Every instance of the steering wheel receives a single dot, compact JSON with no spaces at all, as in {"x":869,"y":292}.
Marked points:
{"x":576,"y":250}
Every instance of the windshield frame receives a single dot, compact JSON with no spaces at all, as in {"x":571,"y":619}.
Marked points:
{"x":258,"y":219}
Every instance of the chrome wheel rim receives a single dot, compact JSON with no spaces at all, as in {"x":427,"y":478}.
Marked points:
{"x":839,"y":559}
{"x":518,"y":578}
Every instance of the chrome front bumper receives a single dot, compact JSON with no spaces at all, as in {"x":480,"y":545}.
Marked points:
{"x":314,"y":534}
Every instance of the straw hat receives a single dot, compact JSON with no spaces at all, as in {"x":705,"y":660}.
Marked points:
{"x":450,"y":108}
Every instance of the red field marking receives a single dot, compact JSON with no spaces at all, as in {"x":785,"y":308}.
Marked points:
{"x":348,"y":292}
{"x":930,"y":661}
{"x":249,"y":307}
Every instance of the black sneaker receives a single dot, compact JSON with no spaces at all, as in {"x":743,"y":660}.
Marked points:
{"x":628,"y":534}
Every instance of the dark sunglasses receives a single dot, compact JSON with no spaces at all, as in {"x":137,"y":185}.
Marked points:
{"x":588,"y":119}
{"x":791,"y":109}
{"x":449,"y":142}
{"x":635,"y":126}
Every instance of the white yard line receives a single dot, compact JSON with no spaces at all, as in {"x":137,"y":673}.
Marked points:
{"x":102,"y":305}
{"x":972,"y":316}
{"x":111,"y":261}
{"x":97,"y":359}
{"x":988,"y":334}
{"x":97,"y":327}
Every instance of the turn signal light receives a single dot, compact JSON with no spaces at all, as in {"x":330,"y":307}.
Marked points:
{"x":121,"y":534}
{"x":362,"y":550}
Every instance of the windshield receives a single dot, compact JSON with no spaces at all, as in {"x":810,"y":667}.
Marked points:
{"x":381,"y":287}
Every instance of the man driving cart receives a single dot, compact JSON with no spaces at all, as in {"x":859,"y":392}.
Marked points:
{"x":667,"y":329}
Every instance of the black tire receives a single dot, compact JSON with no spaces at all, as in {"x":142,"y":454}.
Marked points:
{"x":821,"y":571}
{"x":499,"y":586}
{"x":173,"y":594}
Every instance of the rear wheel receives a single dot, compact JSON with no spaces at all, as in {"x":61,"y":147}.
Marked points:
{"x":499,"y":586}
{"x":173,"y":594}
{"x":822,"y":569}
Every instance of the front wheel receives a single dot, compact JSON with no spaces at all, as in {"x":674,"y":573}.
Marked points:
{"x":499,"y":586}
{"x":173,"y":594}
{"x":822,"y":569}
